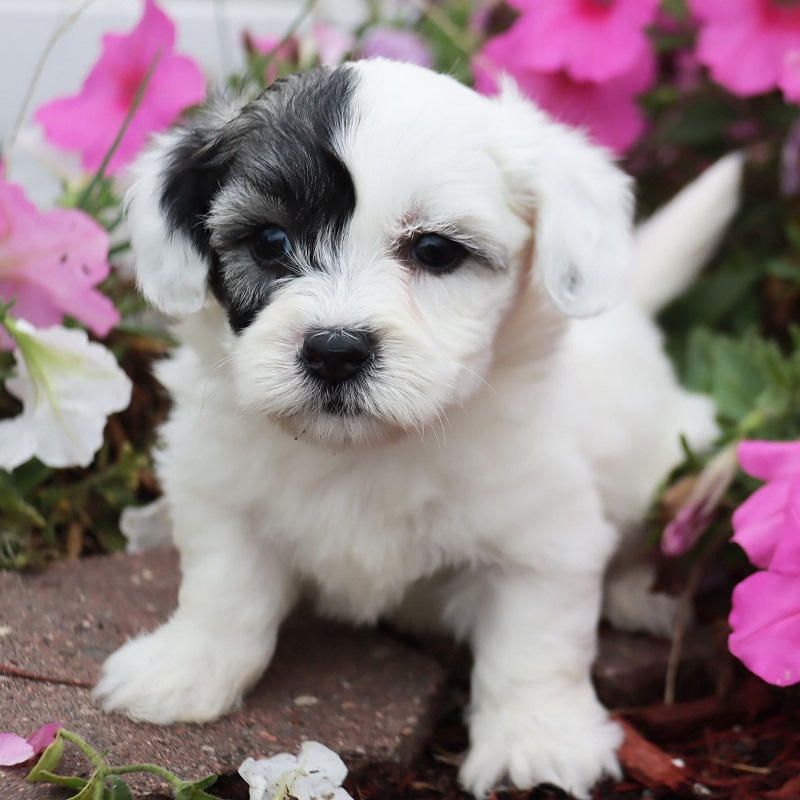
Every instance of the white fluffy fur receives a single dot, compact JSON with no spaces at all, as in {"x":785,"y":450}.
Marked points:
{"x":506,"y":449}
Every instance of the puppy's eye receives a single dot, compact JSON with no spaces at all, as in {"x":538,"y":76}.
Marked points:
{"x":437,"y":253}
{"x":270,"y":244}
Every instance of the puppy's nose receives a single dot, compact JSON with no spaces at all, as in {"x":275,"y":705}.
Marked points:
{"x":335,"y":356}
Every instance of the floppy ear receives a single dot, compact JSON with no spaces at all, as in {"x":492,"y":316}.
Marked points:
{"x":581,"y":203}
{"x":174,"y":182}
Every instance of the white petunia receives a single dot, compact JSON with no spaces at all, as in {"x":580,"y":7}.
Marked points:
{"x":68,"y":386}
{"x":315,"y":773}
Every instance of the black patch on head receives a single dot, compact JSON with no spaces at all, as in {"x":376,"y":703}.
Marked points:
{"x":280,"y":156}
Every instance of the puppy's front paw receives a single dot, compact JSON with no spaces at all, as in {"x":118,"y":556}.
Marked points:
{"x":176,"y":674}
{"x":571,"y":745}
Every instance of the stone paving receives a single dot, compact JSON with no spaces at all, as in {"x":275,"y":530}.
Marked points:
{"x":364,"y":694}
{"x":359,"y":692}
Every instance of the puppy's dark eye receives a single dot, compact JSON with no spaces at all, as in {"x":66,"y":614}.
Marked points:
{"x":437,"y":253}
{"x":270,"y":244}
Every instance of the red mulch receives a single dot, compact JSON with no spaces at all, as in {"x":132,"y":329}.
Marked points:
{"x":746,"y":747}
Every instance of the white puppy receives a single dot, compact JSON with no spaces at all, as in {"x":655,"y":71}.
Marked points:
{"x":383,"y":399}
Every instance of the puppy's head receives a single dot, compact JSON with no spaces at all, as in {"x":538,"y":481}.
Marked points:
{"x":366,"y":230}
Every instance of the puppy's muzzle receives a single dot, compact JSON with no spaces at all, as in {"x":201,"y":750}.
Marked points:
{"x":335,"y":356}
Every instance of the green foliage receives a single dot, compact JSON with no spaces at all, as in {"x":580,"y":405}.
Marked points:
{"x":754,"y":383}
{"x":105,"y":782}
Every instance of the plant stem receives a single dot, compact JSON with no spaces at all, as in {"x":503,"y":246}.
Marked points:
{"x":307,"y":8}
{"x":137,"y":100}
{"x":161,"y":772}
{"x":86,"y":749}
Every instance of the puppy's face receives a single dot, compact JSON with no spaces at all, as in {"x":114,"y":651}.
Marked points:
{"x":367,"y":230}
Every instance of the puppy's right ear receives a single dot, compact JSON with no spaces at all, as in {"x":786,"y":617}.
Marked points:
{"x":174,"y":182}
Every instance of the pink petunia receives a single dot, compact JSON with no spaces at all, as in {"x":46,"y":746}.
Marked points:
{"x":765,"y":620}
{"x":589,"y":40}
{"x":385,"y":41}
{"x":697,"y":512}
{"x":281,"y":55}
{"x":607,"y":111}
{"x":50,"y":263}
{"x":16,"y":750}
{"x":750,"y":46}
{"x":767,"y":524}
{"x":90,"y":121}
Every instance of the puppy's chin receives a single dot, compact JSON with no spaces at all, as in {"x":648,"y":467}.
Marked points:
{"x":333,"y":430}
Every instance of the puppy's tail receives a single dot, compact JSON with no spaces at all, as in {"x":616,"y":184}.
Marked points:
{"x":674,"y":244}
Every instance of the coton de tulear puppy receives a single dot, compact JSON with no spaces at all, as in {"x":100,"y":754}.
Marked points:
{"x":384,"y":397}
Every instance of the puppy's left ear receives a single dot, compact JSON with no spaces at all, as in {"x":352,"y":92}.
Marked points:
{"x":581,"y":204}
{"x":174,"y":182}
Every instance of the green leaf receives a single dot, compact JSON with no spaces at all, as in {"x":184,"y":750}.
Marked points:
{"x":204,"y":783}
{"x":69,"y":781}
{"x":193,"y":790}
{"x":49,"y":760}
{"x":737,"y":380}
{"x":89,"y":789}
{"x":118,"y":789}
{"x":702,"y":124}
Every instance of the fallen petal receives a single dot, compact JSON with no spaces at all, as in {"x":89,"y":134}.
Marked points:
{"x":14,"y":750}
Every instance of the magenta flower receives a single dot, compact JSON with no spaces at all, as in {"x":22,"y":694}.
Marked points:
{"x":607,"y":111}
{"x":767,"y":524}
{"x":590,"y":40}
{"x":765,"y":619}
{"x":397,"y":44}
{"x":751,"y":46}
{"x":90,"y":121}
{"x":281,"y":55}
{"x":50,"y":263}
{"x":331,"y":43}
{"x":697,"y":512}
{"x":765,"y":623}
{"x":16,"y":750}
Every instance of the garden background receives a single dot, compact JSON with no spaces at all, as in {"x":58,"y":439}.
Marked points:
{"x":668,"y":86}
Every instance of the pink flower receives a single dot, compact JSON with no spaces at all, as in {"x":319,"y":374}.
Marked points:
{"x":396,"y":44}
{"x":280,"y":54}
{"x":590,"y":40}
{"x":767,"y":524}
{"x":332,"y":44}
{"x":90,"y":121}
{"x":16,"y":750}
{"x":607,"y":111}
{"x":697,"y":512}
{"x":50,"y":263}
{"x":751,"y":46}
{"x":765,"y":619}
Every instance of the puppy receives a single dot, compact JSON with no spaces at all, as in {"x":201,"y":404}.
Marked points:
{"x":384,"y":398}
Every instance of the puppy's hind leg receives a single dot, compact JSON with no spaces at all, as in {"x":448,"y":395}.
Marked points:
{"x":233,"y":597}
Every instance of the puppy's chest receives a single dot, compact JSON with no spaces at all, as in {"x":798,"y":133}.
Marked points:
{"x":359,"y":535}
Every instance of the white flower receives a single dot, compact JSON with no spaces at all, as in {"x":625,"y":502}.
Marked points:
{"x":68,"y":386}
{"x":315,"y":773}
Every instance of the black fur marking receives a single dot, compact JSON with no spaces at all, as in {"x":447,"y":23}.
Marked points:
{"x":280,"y":160}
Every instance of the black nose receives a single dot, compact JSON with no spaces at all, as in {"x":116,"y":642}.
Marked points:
{"x":335,"y":356}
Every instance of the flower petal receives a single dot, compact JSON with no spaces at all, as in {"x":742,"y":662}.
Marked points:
{"x":765,"y":620}
{"x":770,"y":461}
{"x":50,"y":262}
{"x":109,"y":91}
{"x":43,"y":737}
{"x":14,"y":750}
{"x":767,"y":526}
{"x":68,"y":386}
